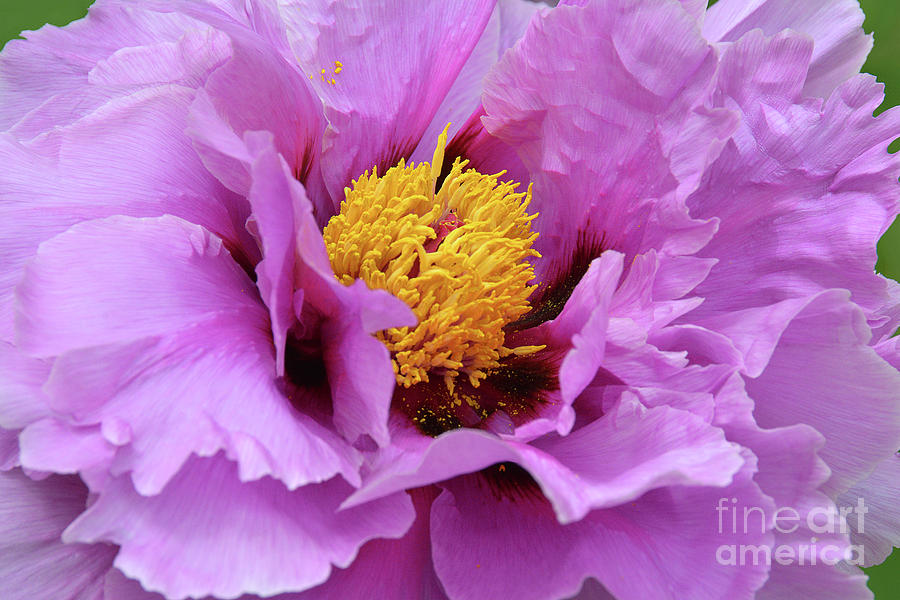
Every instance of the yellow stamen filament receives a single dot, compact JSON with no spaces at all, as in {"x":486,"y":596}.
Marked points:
{"x":464,"y":286}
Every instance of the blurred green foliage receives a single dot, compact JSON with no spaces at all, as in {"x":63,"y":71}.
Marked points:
{"x":18,"y":15}
{"x":882,"y":18}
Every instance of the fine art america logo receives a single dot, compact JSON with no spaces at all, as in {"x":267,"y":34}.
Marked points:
{"x":827,"y":544}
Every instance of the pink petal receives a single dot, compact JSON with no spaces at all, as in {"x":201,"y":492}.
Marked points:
{"x":384,"y":97}
{"x":878,"y":531}
{"x":583,"y":322}
{"x":52,"y":446}
{"x":592,"y":589}
{"x":118,"y":587}
{"x":34,"y":562}
{"x":174,"y":324}
{"x":359,"y":372}
{"x":822,"y":582}
{"x":628,"y":91}
{"x":97,"y":167}
{"x":840,"y":44}
{"x":803,"y":192}
{"x":632,"y":450}
{"x":296,"y":267}
{"x":502,"y":547}
{"x":121,"y":279}
{"x":485,"y":153}
{"x":652,"y":293}
{"x":272,"y":209}
{"x":824,"y":373}
{"x":808,"y":524}
{"x":64,"y":58}
{"x":257,"y":89}
{"x":269,"y":540}
{"x":398,"y":569}
{"x":9,"y":449}
{"x":414,"y":460}
{"x":506,"y":26}
{"x":21,"y":399}
{"x":642,"y":449}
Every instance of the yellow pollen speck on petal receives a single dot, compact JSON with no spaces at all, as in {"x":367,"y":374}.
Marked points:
{"x":458,"y":256}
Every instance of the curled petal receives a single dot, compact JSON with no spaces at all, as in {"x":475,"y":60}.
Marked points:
{"x":461,"y":106}
{"x":632,"y":95}
{"x":400,"y":569}
{"x":665,"y":536}
{"x":840,"y":44}
{"x":111,"y":34}
{"x":642,"y":448}
{"x":35,"y":562}
{"x":878,"y":528}
{"x":95,"y":168}
{"x":161,"y":316}
{"x":268,"y":539}
{"x":804,"y":189}
{"x":824,"y":373}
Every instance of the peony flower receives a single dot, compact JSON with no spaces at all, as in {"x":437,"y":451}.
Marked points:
{"x":272,"y":327}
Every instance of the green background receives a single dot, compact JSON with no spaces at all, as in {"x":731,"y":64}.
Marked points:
{"x":882,"y":17}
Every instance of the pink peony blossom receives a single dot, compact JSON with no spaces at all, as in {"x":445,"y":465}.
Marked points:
{"x":271,"y":328}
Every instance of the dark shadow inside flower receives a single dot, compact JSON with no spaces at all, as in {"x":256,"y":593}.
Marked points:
{"x":306,"y":378}
{"x":589,"y":405}
{"x":504,"y":483}
{"x":509,"y":481}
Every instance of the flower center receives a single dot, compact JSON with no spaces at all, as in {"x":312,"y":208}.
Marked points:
{"x":458,"y":257}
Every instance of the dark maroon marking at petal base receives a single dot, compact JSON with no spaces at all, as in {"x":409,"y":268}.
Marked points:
{"x":509,"y":481}
{"x":397,"y":150}
{"x":431,"y":408}
{"x":303,"y":164}
{"x":501,"y":483}
{"x":457,"y":147}
{"x":519,"y":387}
{"x":550,"y":298}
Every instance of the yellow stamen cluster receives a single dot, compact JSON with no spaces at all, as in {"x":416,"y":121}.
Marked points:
{"x":465,"y":288}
